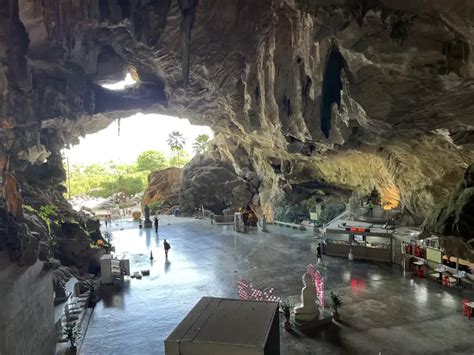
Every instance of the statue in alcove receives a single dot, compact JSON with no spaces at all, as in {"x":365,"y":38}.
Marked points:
{"x":374,"y":197}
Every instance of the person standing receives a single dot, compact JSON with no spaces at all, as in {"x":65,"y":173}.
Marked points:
{"x":318,"y":254}
{"x":167,"y":247}
{"x":156,"y":221}
{"x":106,"y":223}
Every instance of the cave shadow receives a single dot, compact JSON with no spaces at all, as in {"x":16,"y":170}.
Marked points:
{"x":330,"y":334}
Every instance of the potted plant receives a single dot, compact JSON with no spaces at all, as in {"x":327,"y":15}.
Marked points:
{"x":335,"y":303}
{"x":287,"y":307}
{"x":71,"y":334}
{"x":91,"y":285}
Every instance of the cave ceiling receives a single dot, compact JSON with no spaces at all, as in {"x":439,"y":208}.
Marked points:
{"x":351,"y":93}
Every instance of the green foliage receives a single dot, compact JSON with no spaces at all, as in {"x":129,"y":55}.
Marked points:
{"x":70,"y":331}
{"x":201,"y":144}
{"x":176,"y":141}
{"x":286,"y":307}
{"x":105,"y":180}
{"x":151,"y":160}
{"x":180,"y":159}
{"x":48,"y":214}
{"x":29,"y":209}
{"x":335,"y":301}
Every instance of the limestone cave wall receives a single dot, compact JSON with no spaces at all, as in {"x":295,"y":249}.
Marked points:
{"x":27,"y":312}
{"x":327,"y":94}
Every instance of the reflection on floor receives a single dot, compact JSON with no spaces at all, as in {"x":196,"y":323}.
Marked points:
{"x":385,"y":311}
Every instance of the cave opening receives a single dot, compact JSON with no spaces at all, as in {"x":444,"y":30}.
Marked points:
{"x":114,"y":165}
{"x":114,"y":162}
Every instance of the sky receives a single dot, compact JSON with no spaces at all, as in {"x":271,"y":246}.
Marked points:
{"x":138,"y":133}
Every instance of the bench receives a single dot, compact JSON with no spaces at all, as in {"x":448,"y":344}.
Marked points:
{"x":290,"y":225}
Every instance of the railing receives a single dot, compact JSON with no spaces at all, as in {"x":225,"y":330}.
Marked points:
{"x":226,"y":219}
{"x":342,"y":215}
{"x":289,"y":225}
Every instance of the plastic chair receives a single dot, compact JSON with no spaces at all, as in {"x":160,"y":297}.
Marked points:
{"x":421,"y":273}
{"x":446,"y":281}
{"x":467,"y":310}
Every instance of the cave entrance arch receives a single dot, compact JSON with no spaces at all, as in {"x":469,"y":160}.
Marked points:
{"x":124,"y":155}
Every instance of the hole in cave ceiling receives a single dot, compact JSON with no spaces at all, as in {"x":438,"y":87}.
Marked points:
{"x":128,"y":81}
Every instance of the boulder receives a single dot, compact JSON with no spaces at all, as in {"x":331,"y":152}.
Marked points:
{"x":213,"y":184}
{"x":163,"y":187}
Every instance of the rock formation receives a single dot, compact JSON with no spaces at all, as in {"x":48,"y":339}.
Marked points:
{"x":455,"y":218}
{"x":213,"y":184}
{"x":324,"y":93}
{"x":163,"y":188}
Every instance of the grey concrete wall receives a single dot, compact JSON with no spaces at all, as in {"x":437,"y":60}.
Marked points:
{"x":26,"y":309}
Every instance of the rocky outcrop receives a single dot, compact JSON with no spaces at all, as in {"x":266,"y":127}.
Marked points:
{"x":163,"y":188}
{"x":353,"y":94}
{"x":213,"y":184}
{"x":455,"y":217}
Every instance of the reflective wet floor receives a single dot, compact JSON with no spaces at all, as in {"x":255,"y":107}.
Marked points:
{"x":385,"y":311}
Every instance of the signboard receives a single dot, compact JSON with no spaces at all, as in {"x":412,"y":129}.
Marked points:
{"x":313,"y":216}
{"x":357,"y":229}
{"x":433,"y":255}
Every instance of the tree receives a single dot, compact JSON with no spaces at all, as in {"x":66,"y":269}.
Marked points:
{"x":180,"y":160}
{"x":151,"y":160}
{"x":201,"y":143}
{"x":176,"y":142}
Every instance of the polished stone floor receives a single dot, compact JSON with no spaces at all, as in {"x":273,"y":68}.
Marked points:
{"x":385,"y":310}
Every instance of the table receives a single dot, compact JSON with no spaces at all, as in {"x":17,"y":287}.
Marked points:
{"x":458,"y":279}
{"x":418,"y":264}
{"x":440,"y":271}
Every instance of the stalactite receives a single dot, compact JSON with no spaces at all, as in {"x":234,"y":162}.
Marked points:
{"x":188,"y":10}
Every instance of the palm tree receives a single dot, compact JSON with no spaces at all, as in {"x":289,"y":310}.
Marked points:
{"x":201,"y":143}
{"x":176,"y":142}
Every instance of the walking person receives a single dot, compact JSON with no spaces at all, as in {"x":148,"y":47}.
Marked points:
{"x":167,"y":247}
{"x":156,"y":224}
{"x":319,"y":258}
